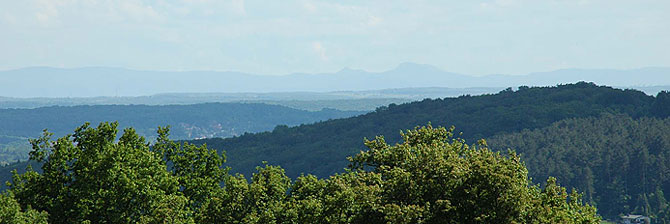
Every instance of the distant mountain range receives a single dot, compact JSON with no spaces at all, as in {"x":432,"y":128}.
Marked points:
{"x":312,"y":101}
{"x":103,"y":81}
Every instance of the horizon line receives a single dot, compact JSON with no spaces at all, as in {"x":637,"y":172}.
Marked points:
{"x":328,"y":73}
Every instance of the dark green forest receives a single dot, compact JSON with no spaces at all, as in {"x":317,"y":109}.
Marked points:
{"x":319,"y":148}
{"x":430,"y":177}
{"x":187,"y":121}
{"x":620,"y":163}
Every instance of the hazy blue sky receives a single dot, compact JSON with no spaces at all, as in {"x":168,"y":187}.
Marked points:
{"x":279,"y":37}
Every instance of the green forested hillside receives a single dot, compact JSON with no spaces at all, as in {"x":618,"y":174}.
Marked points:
{"x":187,"y":121}
{"x":621,"y":164}
{"x":586,"y":140}
{"x":319,"y":148}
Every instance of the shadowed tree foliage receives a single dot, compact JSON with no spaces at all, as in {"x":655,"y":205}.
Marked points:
{"x":11,"y":212}
{"x":620,"y":163}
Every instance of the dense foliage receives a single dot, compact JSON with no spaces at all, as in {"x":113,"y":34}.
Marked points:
{"x":11,"y":212}
{"x":621,"y":164}
{"x":89,"y":177}
{"x":320,"y":148}
{"x":430,"y":177}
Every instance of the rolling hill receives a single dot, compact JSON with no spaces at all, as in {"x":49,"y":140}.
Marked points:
{"x":187,"y":121}
{"x":321,"y":147}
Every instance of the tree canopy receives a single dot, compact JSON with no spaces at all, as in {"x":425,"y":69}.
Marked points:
{"x":620,"y":163}
{"x":429,"y":177}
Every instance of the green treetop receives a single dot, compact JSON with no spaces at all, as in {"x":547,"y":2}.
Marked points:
{"x":430,"y":177}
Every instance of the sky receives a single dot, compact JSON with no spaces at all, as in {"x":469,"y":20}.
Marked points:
{"x":282,"y":37}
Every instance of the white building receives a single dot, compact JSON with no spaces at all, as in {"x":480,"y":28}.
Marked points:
{"x":635,"y":219}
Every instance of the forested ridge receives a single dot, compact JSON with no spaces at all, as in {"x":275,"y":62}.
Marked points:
{"x":318,"y":148}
